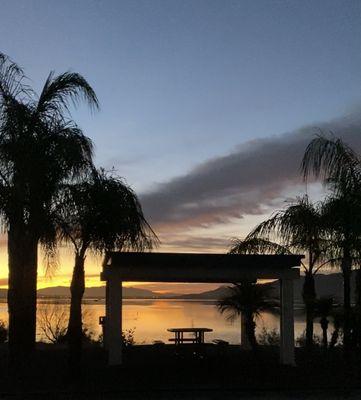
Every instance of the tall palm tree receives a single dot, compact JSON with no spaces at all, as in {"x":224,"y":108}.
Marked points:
{"x":343,"y":223}
{"x":250,"y":300}
{"x":100,"y":213}
{"x":299,"y":228}
{"x":340,"y":168}
{"x":40,"y":148}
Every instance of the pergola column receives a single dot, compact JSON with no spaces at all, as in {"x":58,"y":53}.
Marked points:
{"x":105,"y":323}
{"x":287,"y":337}
{"x":113,"y":340}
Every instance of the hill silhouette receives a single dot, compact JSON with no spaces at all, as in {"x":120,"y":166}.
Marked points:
{"x":90,"y":292}
{"x":96,"y":292}
{"x":326,"y":285}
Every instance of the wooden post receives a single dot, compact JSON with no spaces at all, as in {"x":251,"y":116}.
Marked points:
{"x":114,"y":322}
{"x":287,"y":345}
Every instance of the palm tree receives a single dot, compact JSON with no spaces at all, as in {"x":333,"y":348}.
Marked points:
{"x":324,"y":307}
{"x":40,"y":148}
{"x":100,"y":213}
{"x":340,"y":168}
{"x":248,"y":299}
{"x":299,"y":228}
{"x":343,"y":223}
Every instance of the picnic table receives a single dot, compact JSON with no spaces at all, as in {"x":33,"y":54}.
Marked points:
{"x":198,"y":335}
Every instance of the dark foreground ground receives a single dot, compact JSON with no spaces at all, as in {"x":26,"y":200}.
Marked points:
{"x":164,"y":372}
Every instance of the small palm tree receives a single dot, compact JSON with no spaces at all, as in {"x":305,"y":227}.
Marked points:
{"x":250,"y":300}
{"x":299,"y":228}
{"x":324,"y":308}
{"x":100,"y":213}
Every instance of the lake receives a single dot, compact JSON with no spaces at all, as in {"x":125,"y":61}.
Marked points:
{"x":150,"y":319}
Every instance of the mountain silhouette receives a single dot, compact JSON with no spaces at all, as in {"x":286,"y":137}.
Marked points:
{"x":326,"y":285}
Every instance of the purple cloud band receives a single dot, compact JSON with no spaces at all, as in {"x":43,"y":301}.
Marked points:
{"x":242,"y":182}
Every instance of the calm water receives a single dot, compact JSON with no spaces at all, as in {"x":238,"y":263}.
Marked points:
{"x":151,"y":318}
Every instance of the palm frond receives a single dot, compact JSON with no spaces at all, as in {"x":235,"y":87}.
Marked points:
{"x":59,"y":92}
{"x":12,"y":83}
{"x":103,"y":213}
{"x":256,"y":245}
{"x":333,"y":160}
{"x":247,"y":298}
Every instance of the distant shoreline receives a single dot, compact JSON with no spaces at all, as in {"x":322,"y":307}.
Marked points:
{"x":326,"y":285}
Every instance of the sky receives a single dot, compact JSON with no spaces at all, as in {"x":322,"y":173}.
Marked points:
{"x":206,"y":106}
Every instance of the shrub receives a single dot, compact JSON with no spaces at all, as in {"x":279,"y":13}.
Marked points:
{"x":52,"y":320}
{"x":269,"y":338}
{"x":301,"y":340}
{"x":128,"y":337}
{"x":3,"y":332}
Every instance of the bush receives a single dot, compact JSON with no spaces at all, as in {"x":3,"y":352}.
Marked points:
{"x":52,"y":320}
{"x":269,"y":338}
{"x":128,"y":337}
{"x":301,"y":340}
{"x":3,"y":332}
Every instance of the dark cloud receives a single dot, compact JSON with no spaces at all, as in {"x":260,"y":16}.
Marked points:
{"x":242,"y":182}
{"x":193,"y":243}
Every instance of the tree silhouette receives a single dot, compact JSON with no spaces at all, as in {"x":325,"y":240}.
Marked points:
{"x":340,"y":168}
{"x":40,"y":148}
{"x":100,"y":213}
{"x":299,"y":228}
{"x":248,"y":299}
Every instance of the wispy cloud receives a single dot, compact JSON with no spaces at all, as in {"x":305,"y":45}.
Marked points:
{"x":241,"y":183}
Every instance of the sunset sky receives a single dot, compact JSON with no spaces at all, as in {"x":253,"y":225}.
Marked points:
{"x":206,"y":106}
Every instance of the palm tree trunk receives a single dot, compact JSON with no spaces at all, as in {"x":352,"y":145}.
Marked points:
{"x":75,"y":328}
{"x":309,"y":299}
{"x":324,"y":327}
{"x":251,"y":331}
{"x":358,"y":289}
{"x":23,"y":257}
{"x":334,"y":337}
{"x":358,"y":308}
{"x":346,"y":272}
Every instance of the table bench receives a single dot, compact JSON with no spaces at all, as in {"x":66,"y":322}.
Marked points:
{"x":179,"y":335}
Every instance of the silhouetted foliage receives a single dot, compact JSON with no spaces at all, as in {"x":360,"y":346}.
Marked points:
{"x":40,"y":148}
{"x":52,"y":321}
{"x":301,"y":340}
{"x":298,"y":228}
{"x":128,"y":337}
{"x":247,"y":299}
{"x":99,"y":213}
{"x":268,"y":338}
{"x":340,"y":168}
{"x":3,"y":332}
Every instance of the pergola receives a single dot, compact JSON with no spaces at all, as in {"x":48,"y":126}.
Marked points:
{"x":121,"y":267}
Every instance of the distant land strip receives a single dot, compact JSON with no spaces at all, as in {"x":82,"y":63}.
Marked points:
{"x":326,"y":285}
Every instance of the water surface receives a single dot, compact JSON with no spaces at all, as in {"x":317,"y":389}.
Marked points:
{"x":150,"y":319}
